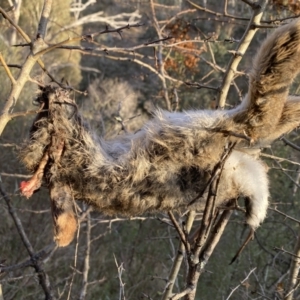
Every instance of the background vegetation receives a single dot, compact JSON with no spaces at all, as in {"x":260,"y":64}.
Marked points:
{"x":126,"y":75}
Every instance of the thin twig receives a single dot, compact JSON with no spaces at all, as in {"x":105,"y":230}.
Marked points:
{"x":209,"y":207}
{"x":285,"y":215}
{"x":287,"y":142}
{"x":86,"y":266}
{"x":7,"y":70}
{"x":200,"y":252}
{"x":233,"y":290}
{"x":43,"y":277}
{"x":180,"y":231}
{"x":275,"y":21}
{"x":196,"y":270}
{"x":287,"y":252}
{"x":120,"y":272}
{"x":18,"y":28}
{"x":160,"y":61}
{"x":280,"y":159}
{"x":158,"y":40}
{"x":75,"y":255}
{"x":201,"y":86}
{"x":39,"y":256}
{"x":181,"y":252}
{"x":205,"y":9}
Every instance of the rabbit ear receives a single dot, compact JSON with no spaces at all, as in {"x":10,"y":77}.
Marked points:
{"x":289,"y":120}
{"x":274,"y":68}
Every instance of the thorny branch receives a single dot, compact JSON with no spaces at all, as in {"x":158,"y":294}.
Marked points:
{"x":42,"y":275}
{"x":196,"y":270}
{"x":215,"y":235}
{"x":244,"y":280}
{"x":235,"y":17}
{"x":131,"y":50}
{"x":38,"y":47}
{"x":39,"y":256}
{"x":181,"y":253}
{"x":87,"y":37}
{"x":100,"y":17}
{"x":197,"y":260}
{"x":199,"y":252}
{"x":75,"y":260}
{"x":207,"y":10}
{"x":285,"y":215}
{"x":30,"y":61}
{"x":43,"y":26}
{"x":122,"y":285}
{"x":181,"y":233}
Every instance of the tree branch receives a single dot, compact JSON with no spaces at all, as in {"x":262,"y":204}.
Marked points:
{"x":43,"y":277}
{"x":181,"y":252}
{"x":7,"y":70}
{"x":86,"y":265}
{"x":241,"y":49}
{"x":244,"y":280}
{"x":294,"y":270}
{"x":42,"y":27}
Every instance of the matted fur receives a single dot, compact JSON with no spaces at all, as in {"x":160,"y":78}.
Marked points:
{"x":169,"y":161}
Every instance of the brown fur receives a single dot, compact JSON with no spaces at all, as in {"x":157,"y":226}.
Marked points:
{"x":168,"y":163}
{"x":64,"y":219}
{"x":274,"y":69}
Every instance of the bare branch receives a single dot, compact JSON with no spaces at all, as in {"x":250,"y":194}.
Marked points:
{"x":42,"y":28}
{"x":43,"y":277}
{"x":38,"y":257}
{"x":205,"y":243}
{"x":180,"y":231}
{"x":246,"y":278}
{"x":287,"y":142}
{"x":160,"y":61}
{"x":87,"y":37}
{"x":158,"y":41}
{"x":18,"y":28}
{"x":24,"y":75}
{"x":7,"y":70}
{"x":280,"y":159}
{"x":216,"y":13}
{"x":181,"y":252}
{"x":75,"y":258}
{"x":196,"y":270}
{"x":285,"y":251}
{"x":285,"y":215}
{"x":120,"y":272}
{"x":119,"y":20}
{"x":86,"y":266}
{"x":241,"y":49}
{"x":201,"y":86}
{"x":293,"y":283}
